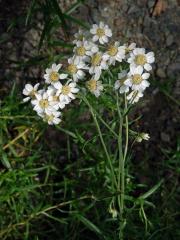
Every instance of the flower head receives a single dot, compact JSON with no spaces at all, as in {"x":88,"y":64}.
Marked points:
{"x":119,"y":84}
{"x":134,"y":97}
{"x":136,"y":79}
{"x":101,"y":33}
{"x":29,"y":91}
{"x":114,"y":53}
{"x":51,"y":117}
{"x":79,"y":36}
{"x":52,"y":75}
{"x":67,"y":92}
{"x":138,"y":57}
{"x":95,"y":87}
{"x":84,"y":49}
{"x":42,"y":104}
{"x":97,"y":64}
{"x":75,"y":68}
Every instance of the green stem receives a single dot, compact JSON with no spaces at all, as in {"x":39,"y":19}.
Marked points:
{"x":122,"y":159}
{"x":102,"y":141}
{"x":120,"y":170}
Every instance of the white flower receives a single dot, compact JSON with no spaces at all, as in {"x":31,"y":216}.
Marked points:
{"x":114,"y":53}
{"x":142,"y":136}
{"x":95,"y":87}
{"x":53,"y":98}
{"x":134,"y":96}
{"x":84,"y":49}
{"x":66,"y":92}
{"x":30,"y":91}
{"x":101,"y":32}
{"x":119,"y":84}
{"x":136,"y":79}
{"x":130,"y":47}
{"x":138,"y":57}
{"x":52,"y":75}
{"x":75,"y":68}
{"x":51,"y":117}
{"x":42,"y":103}
{"x":79,"y":36}
{"x":97,"y":64}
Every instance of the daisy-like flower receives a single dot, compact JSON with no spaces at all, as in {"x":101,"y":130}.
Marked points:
{"x":97,"y":63}
{"x":136,"y":79}
{"x":114,"y":53}
{"x":52,"y":75}
{"x":129,"y":47}
{"x":75,"y":68}
{"x":119,"y":84}
{"x":29,"y":91}
{"x":52,"y":118}
{"x":54,"y":98}
{"x":101,"y":33}
{"x":134,"y":96}
{"x":138,"y":57}
{"x":95,"y":87}
{"x":84,"y":49}
{"x":42,"y":104}
{"x":66,"y":92}
{"x":79,"y":36}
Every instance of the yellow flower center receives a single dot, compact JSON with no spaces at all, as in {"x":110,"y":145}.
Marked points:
{"x":55,"y":98}
{"x":96,"y":59}
{"x":49,"y":117}
{"x":137,"y":79}
{"x":32,"y":94}
{"x":100,"y":32}
{"x":66,"y":90}
{"x":140,"y":59}
{"x":72,"y":68}
{"x":92,"y":85}
{"x":54,"y":76}
{"x":112,"y":50}
{"x":43,"y":103}
{"x":80,"y":51}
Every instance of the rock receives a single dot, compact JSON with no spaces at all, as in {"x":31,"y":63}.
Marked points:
{"x":165,"y":137}
{"x":161,"y":73}
{"x":169,"y":40}
{"x":151,"y":3}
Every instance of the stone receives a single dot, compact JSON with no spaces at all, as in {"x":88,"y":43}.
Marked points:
{"x":161,"y":73}
{"x":169,"y":40}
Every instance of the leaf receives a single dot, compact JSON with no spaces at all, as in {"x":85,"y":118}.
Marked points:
{"x":60,"y":14}
{"x":152,"y":190}
{"x":30,"y":12}
{"x":5,"y":161}
{"x":89,"y":224}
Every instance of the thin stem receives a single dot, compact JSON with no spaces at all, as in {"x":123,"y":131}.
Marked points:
{"x":120,"y":170}
{"x":127,"y":129}
{"x":102,"y":141}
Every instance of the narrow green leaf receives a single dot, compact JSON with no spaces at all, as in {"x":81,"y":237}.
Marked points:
{"x":152,"y":190}
{"x":89,"y":224}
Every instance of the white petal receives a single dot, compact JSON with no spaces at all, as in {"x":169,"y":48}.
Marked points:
{"x":95,"y":38}
{"x":29,"y":87}
{"x":63,"y":76}
{"x":148,"y":67}
{"x":145,"y":75}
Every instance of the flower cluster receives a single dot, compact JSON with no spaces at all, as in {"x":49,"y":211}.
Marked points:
{"x":94,"y":53}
